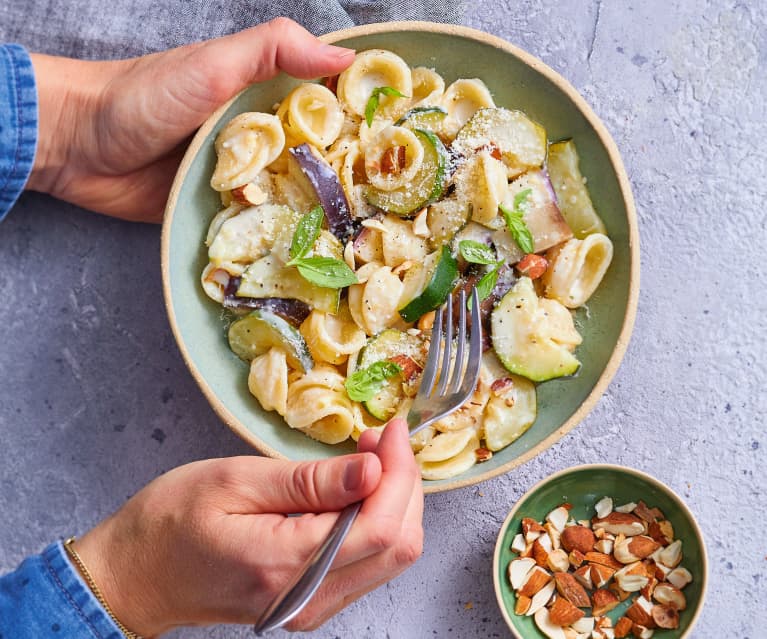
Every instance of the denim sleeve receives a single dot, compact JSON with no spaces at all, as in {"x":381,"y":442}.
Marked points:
{"x":18,"y":123}
{"x":45,"y":598}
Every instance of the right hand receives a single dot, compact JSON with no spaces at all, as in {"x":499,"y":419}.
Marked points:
{"x":210,"y":542}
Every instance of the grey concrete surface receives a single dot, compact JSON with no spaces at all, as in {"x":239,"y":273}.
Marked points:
{"x":95,"y":400}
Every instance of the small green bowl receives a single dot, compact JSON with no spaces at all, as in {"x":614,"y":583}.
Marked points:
{"x":518,"y":81}
{"x":583,"y":486}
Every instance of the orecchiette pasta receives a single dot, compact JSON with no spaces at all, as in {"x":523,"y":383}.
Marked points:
{"x":428,"y":87}
{"x":370,"y":70}
{"x":268,"y":380}
{"x":462,"y":99}
{"x":576,"y":268}
{"x":311,"y":113}
{"x":317,"y":405}
{"x":245,"y":147}
{"x":442,"y":190}
{"x":332,"y":338}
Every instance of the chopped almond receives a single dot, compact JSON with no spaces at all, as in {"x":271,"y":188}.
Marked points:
{"x":668,"y":595}
{"x":583,"y":576}
{"x":393,"y":160}
{"x":600,"y":575}
{"x":661,"y":531}
{"x":557,"y":561}
{"x":563,"y":613}
{"x":540,"y":554}
{"x":522,"y":605}
{"x":603,"y":601}
{"x":623,"y":628}
{"x":577,"y":538}
{"x":532,"y":265}
{"x":617,"y":523}
{"x":570,"y":589}
{"x":665,"y":616}
{"x":531,"y":529}
{"x":603,"y":559}
{"x":536,"y":579}
{"x":576,"y":558}
{"x":641,"y":612}
{"x":647,"y":514}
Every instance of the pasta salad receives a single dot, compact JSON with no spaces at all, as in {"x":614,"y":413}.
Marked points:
{"x":352,"y":211}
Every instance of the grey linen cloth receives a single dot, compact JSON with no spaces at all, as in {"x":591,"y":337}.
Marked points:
{"x":107,"y":29}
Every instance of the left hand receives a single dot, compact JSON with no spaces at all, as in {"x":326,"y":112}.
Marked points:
{"x":112,"y":134}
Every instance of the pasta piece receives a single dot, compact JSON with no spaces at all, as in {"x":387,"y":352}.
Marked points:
{"x":268,"y":380}
{"x":219,"y":219}
{"x":428,"y":87}
{"x":317,"y":405}
{"x":482,"y":182}
{"x":374,"y":304}
{"x":400,"y":244}
{"x":446,"y":445}
{"x":453,"y":466}
{"x":462,"y":99}
{"x":419,"y":441}
{"x":468,"y":416}
{"x":245,"y":147}
{"x":385,"y":144}
{"x":510,"y":411}
{"x":372,"y":69}
{"x":332,"y":338}
{"x":576,"y":269}
{"x":311,"y":113}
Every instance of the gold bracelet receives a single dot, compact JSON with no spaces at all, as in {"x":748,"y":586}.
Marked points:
{"x":70,"y":548}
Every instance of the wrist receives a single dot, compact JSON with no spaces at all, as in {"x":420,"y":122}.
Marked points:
{"x":67,"y":95}
{"x":118,"y":567}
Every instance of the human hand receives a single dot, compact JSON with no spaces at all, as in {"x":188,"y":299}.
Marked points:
{"x":112,"y":134}
{"x":210,"y":542}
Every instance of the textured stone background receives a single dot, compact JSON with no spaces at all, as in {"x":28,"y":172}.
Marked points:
{"x":95,"y":400}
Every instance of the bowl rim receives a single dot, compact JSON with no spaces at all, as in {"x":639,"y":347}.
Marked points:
{"x":612,"y":467}
{"x":606,"y":140}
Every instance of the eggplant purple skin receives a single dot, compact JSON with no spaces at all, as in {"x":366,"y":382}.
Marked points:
{"x":293,"y":311}
{"x":329,"y":191}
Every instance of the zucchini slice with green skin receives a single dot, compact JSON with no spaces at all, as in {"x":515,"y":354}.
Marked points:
{"x":387,"y":344}
{"x":427,"y":185}
{"x":445,"y":218}
{"x":572,"y":194}
{"x":534,"y":337}
{"x":435,"y":284}
{"x":521,"y":141}
{"x":429,"y":118}
{"x":257,"y":332}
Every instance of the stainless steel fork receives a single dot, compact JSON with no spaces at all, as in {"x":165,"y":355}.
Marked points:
{"x":454,"y":385}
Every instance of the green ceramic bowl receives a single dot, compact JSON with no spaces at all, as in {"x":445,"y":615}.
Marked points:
{"x":583,"y":487}
{"x":518,"y":81}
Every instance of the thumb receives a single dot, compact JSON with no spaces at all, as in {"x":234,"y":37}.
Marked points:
{"x":316,"y":486}
{"x":233,"y":62}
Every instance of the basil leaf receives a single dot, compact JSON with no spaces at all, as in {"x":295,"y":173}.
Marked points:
{"x":372,"y":106}
{"x":476,"y":252}
{"x":486,"y":285}
{"x":363,"y":384}
{"x":518,"y":229}
{"x":306,"y":234}
{"x":520,"y":200}
{"x":327,"y":272}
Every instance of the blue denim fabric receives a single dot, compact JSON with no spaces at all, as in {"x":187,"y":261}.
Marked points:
{"x":45,"y":598}
{"x":18,"y":123}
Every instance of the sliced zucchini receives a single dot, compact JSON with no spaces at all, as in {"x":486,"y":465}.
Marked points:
{"x":534,"y":337}
{"x":251,"y":234}
{"x":427,"y":186}
{"x":387,"y":344}
{"x":572,"y":194}
{"x":427,"y":287}
{"x":268,"y":277}
{"x":509,"y":415}
{"x":445,"y":218}
{"x":257,"y":332}
{"x":427,"y":117}
{"x":521,"y":141}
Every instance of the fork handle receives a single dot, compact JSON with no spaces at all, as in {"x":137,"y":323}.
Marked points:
{"x":300,"y":589}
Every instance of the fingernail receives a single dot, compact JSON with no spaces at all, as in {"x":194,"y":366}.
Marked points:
{"x":338,"y":52}
{"x":354,"y":474}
